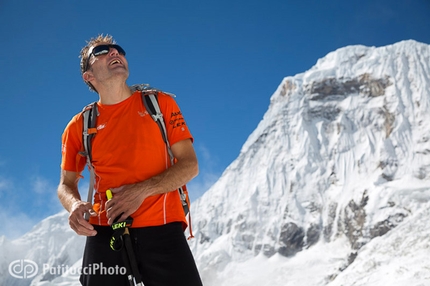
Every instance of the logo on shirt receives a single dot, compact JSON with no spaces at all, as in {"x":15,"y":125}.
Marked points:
{"x":142,"y":113}
{"x":101,"y":126}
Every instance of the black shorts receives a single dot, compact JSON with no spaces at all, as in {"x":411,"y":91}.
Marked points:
{"x":162,"y":253}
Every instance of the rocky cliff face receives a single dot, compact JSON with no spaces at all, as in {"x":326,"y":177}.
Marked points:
{"x":324,"y":162}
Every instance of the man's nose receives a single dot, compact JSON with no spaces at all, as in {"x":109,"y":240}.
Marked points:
{"x":113,"y":51}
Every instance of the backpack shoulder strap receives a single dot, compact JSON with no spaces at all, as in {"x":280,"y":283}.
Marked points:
{"x":150,"y":100}
{"x":89,"y":129}
{"x":151,"y":104}
{"x":89,"y":116}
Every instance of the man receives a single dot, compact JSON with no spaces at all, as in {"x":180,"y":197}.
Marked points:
{"x":129,"y":157}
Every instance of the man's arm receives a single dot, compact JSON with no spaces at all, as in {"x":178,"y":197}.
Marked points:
{"x":71,"y":200}
{"x":128,"y":198}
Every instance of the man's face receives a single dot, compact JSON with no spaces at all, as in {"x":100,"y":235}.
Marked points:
{"x":107,"y":61}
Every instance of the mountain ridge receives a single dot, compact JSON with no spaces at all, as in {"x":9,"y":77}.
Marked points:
{"x":344,"y":130}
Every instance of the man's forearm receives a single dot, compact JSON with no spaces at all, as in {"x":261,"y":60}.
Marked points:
{"x":185,"y":169}
{"x":67,"y":190}
{"x":171,"y":179}
{"x":67,"y":196}
{"x":71,"y":200}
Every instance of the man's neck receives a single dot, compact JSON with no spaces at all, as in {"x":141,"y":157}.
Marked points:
{"x":113,"y":93}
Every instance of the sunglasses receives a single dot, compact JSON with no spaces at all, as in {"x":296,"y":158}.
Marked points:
{"x":102,"y":50}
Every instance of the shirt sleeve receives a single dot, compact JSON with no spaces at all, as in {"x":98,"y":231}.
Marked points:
{"x":71,"y":140}
{"x":177,"y":129}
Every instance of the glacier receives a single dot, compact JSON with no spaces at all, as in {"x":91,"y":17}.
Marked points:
{"x":331,"y":188}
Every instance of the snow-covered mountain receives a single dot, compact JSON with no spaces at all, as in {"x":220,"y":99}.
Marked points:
{"x":332,"y":188}
{"x":339,"y":162}
{"x":51,"y":246}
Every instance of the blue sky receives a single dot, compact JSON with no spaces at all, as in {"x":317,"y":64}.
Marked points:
{"x":223,"y":59}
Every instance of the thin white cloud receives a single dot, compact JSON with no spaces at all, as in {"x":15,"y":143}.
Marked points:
{"x":209,"y":173}
{"x":15,"y":223}
{"x":5,"y":184}
{"x":25,"y":203}
{"x":198,"y":186}
{"x":206,"y":157}
{"x":44,"y":195}
{"x":41,"y":185}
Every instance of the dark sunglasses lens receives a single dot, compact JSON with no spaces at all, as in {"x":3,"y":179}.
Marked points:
{"x":104,"y":49}
{"x":119,"y":49}
{"x":100,"y":50}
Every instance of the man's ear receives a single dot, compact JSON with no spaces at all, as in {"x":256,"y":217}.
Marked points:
{"x":87,"y":76}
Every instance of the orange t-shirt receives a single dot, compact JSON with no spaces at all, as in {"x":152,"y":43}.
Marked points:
{"x":129,"y":148}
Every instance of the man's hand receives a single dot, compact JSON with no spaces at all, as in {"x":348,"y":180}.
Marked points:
{"x":77,"y":221}
{"x":126,"y":200}
{"x":69,"y":197}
